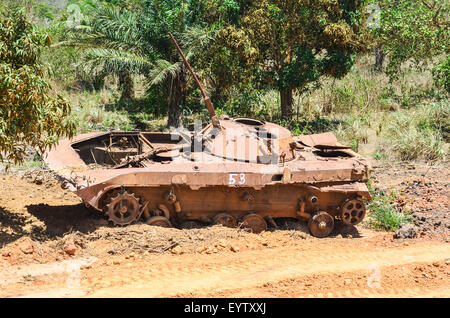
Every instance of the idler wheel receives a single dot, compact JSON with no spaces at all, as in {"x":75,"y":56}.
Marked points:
{"x":321,"y":224}
{"x":254,"y":222}
{"x":159,"y":221}
{"x":225,"y":219}
{"x":123,"y":209}
{"x":353,"y":211}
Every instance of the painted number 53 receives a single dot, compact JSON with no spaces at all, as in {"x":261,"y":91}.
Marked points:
{"x":236,"y":178}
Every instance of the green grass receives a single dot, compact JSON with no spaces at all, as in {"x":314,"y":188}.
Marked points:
{"x":379,"y":155}
{"x":97,"y":118}
{"x":383,"y":214}
{"x":94,"y":111}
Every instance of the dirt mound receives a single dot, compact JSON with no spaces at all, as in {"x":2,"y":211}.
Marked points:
{"x":42,"y":211}
{"x":423,"y":192}
{"x":138,"y":239}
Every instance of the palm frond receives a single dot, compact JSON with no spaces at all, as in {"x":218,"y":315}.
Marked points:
{"x":111,"y":27}
{"x":117,"y":23}
{"x":115,"y":61}
{"x":98,"y":40}
{"x":163,"y":70}
{"x":197,"y":39}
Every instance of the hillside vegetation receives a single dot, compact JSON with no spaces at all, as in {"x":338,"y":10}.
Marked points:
{"x":382,"y":88}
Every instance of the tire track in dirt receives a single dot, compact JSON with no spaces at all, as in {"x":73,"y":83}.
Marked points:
{"x":254,"y":268}
{"x":385,"y":293}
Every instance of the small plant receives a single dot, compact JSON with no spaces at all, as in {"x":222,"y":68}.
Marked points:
{"x":383,"y":214}
{"x":441,"y":74}
{"x":379,"y":155}
{"x":353,"y":131}
{"x":33,"y":161}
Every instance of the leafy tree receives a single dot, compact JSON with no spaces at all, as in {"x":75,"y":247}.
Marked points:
{"x":112,"y":44}
{"x":225,"y":69}
{"x":415,"y":31}
{"x":28,"y":115}
{"x":289,"y":44}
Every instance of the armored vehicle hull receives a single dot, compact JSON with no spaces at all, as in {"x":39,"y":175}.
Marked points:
{"x":245,"y":173}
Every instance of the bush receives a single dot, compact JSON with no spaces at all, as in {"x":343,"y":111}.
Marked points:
{"x":441,"y":74}
{"x":28,"y":115}
{"x":383,"y":214}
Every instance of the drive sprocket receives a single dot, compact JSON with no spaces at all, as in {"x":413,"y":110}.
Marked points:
{"x":353,"y":211}
{"x":123,"y":209}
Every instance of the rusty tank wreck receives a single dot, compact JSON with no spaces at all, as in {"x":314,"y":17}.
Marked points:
{"x":234,"y":171}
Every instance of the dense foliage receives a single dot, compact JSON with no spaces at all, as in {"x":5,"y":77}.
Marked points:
{"x":130,"y":39}
{"x":415,"y":32}
{"x":28,"y":115}
{"x":290,"y":44}
{"x":289,"y":61}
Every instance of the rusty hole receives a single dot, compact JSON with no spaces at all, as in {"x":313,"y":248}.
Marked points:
{"x":249,"y":121}
{"x":277,"y":177}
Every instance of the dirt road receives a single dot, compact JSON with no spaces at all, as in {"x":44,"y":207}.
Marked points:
{"x":348,"y":268}
{"x":263,"y":273}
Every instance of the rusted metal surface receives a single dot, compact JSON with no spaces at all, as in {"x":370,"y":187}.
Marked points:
{"x":234,"y":171}
{"x":228,"y":178}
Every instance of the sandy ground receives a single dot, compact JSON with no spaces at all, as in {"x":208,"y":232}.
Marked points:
{"x":51,"y":245}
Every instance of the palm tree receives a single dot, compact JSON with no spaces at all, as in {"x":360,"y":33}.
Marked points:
{"x":125,"y":43}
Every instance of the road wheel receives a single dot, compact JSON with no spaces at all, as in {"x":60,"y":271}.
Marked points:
{"x":321,"y":224}
{"x":254,"y":222}
{"x":225,"y":219}
{"x":159,"y":221}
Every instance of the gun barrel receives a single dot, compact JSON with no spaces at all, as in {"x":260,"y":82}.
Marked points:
{"x":207,"y":100}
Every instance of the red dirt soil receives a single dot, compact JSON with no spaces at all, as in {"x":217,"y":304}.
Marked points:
{"x":47,"y":234}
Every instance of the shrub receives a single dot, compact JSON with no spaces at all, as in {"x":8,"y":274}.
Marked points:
{"x":441,"y":74}
{"x":383,"y":214}
{"x":28,"y":115}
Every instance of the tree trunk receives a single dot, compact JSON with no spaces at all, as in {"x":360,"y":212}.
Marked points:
{"x":286,"y":103}
{"x":126,"y":84}
{"x":98,"y":82}
{"x":176,"y":98}
{"x":379,"y":59}
{"x":174,"y":116}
